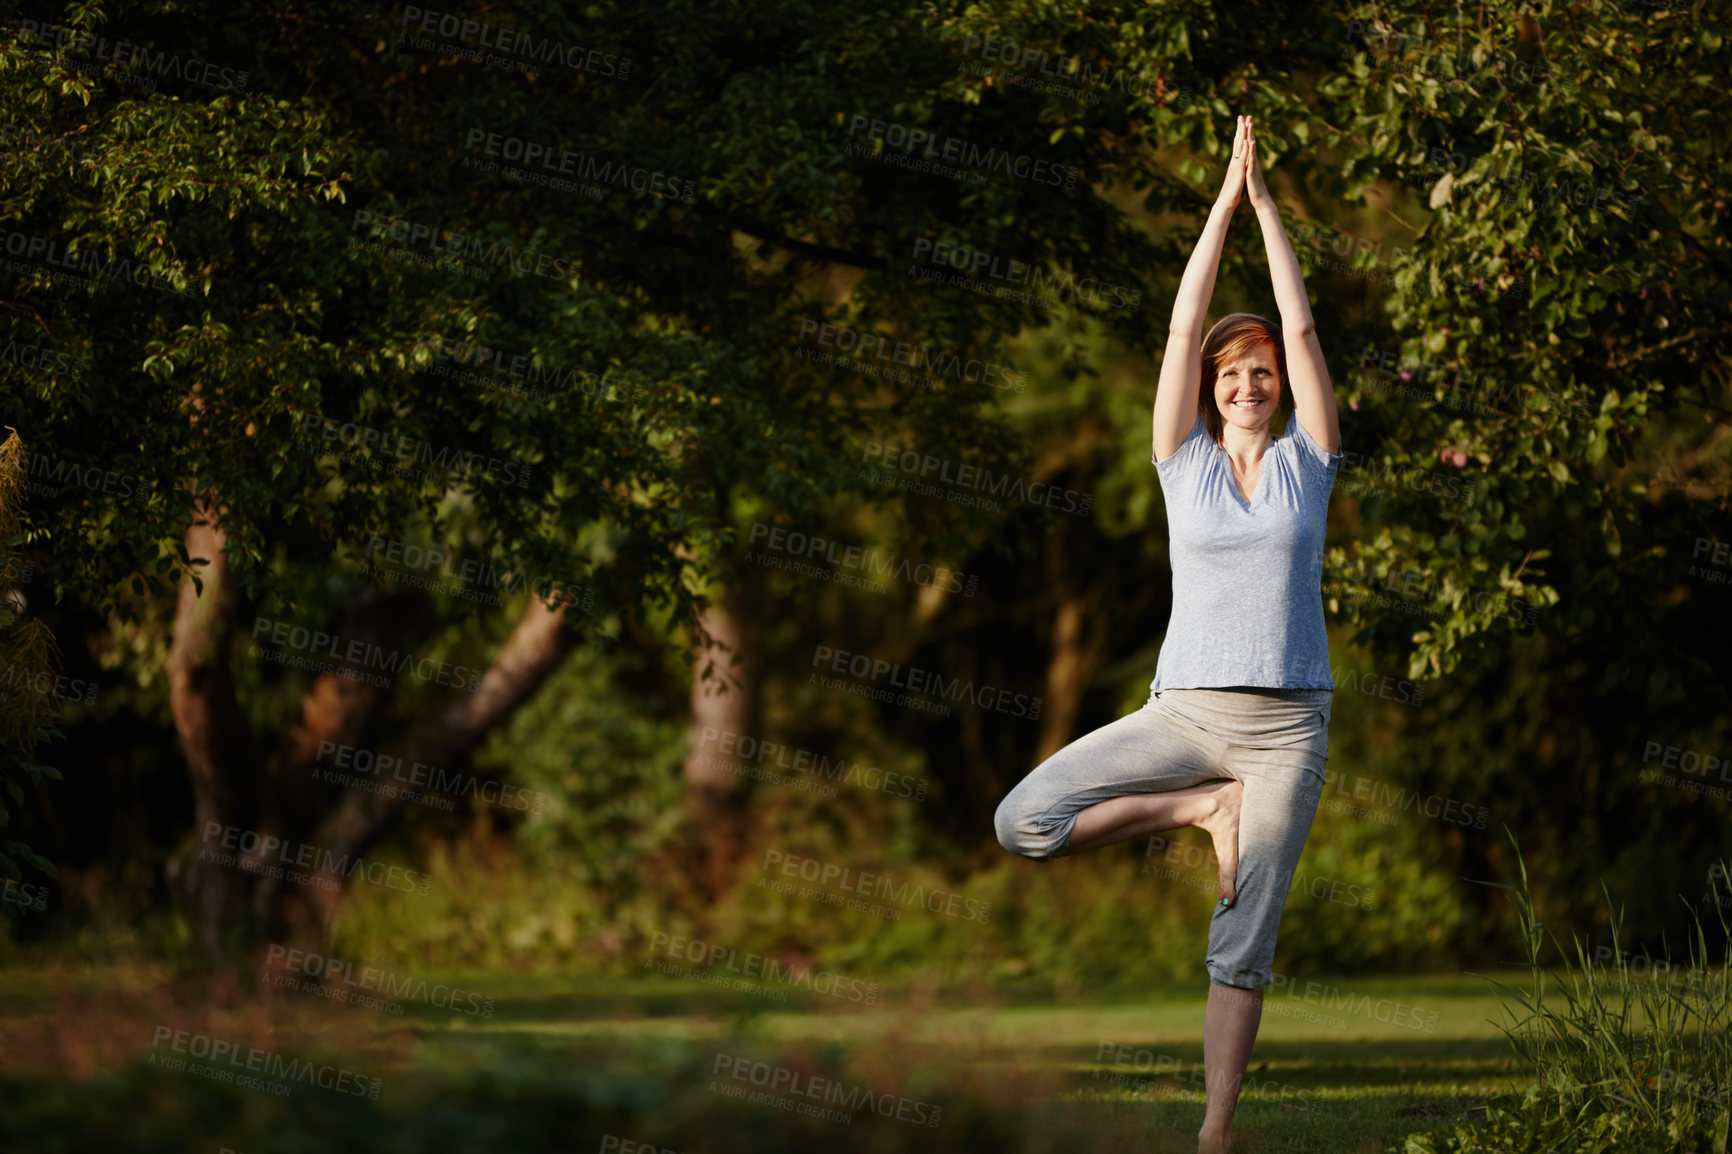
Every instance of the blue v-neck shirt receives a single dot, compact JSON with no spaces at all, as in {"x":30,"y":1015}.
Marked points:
{"x":1247,"y":575}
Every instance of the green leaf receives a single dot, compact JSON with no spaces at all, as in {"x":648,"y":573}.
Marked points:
{"x":1441,"y":190}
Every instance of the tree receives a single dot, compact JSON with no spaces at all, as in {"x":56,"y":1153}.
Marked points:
{"x":406,"y":328}
{"x":29,"y":669}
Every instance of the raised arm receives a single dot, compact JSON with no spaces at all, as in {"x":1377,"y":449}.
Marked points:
{"x":1308,"y":377}
{"x":1182,"y":363}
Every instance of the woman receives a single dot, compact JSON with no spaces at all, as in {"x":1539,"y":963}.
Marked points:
{"x":1236,"y":730}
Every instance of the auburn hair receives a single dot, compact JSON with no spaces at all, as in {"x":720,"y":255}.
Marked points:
{"x":1233,"y":336}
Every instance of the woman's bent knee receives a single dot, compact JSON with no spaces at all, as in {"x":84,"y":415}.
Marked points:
{"x":1018,"y":833}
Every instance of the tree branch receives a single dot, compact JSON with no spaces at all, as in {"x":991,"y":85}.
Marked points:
{"x":532,"y":653}
{"x":805,"y":250}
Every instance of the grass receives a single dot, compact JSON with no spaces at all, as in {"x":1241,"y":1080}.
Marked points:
{"x":570,"y":1064}
{"x":1628,"y":1060}
{"x":1575,"y":1056}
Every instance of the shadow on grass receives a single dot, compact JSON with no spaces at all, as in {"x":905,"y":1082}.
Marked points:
{"x":574,"y":1065}
{"x":525,"y":1093}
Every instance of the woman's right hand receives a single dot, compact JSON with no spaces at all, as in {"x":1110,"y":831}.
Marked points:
{"x":1234,"y":186}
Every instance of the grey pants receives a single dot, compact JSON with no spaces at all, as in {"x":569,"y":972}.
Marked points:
{"x":1272,"y":741}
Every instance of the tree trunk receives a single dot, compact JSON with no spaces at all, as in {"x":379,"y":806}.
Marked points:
{"x":212,"y":732}
{"x":1079,"y":642}
{"x":725,"y":678}
{"x":227,"y":905}
{"x":529,"y":657}
{"x":726,"y":673}
{"x":1081,"y":632}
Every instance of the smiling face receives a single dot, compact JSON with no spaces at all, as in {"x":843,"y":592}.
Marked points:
{"x":1247,"y":390}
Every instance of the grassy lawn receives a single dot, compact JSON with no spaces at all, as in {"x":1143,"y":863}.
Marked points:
{"x":590,"y":1064}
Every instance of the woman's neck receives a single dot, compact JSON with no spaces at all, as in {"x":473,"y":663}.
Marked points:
{"x":1244,"y":444}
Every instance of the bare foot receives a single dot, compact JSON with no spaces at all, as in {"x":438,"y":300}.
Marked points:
{"x":1208,"y":1143}
{"x":1223,"y":826}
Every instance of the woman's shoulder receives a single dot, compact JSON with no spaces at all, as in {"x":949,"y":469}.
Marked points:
{"x":1296,"y":441}
{"x":1195,"y":443}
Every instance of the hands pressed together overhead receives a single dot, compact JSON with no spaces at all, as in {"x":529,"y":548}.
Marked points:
{"x":1244,"y":172}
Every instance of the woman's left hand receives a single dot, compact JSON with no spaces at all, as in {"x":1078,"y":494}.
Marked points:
{"x":1255,"y":189}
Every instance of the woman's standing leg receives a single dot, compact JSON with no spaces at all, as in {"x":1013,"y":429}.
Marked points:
{"x":1275,"y":816}
{"x":1282,"y":789}
{"x":1230,"y":1024}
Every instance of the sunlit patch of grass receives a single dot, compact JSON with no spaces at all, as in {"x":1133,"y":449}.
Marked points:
{"x":639,"y":1055}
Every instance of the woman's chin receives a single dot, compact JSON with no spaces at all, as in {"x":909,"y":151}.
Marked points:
{"x":1249,"y":422}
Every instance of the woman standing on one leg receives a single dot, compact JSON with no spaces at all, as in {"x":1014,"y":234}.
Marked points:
{"x":1236,"y":730}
